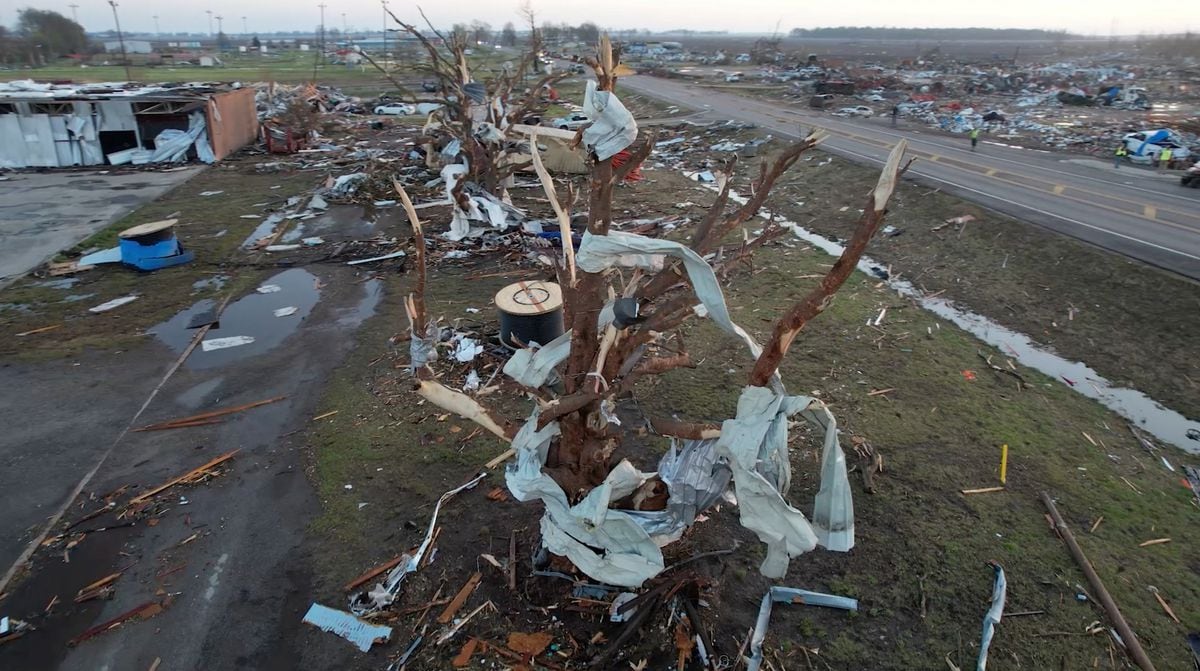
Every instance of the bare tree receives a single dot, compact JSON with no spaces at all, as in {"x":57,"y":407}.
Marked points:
{"x":606,"y":361}
{"x":481,"y":32}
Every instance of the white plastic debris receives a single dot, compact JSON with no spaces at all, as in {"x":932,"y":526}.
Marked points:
{"x":286,"y":312}
{"x":211,"y":193}
{"x":788,"y":595}
{"x":114,"y":303}
{"x":993,"y":616}
{"x":472,"y":382}
{"x":362,"y":634}
{"x":269,"y":289}
{"x":466,"y":349}
{"x":613,"y":128}
{"x":225,"y":343}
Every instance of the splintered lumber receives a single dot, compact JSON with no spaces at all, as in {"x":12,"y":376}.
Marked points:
{"x":1155,"y":541}
{"x":460,"y":598}
{"x":41,"y":330}
{"x":371,"y":573}
{"x":187,"y":421}
{"x":1132,"y":646}
{"x":184,"y":478}
{"x":93,"y":590}
{"x":145,"y":611}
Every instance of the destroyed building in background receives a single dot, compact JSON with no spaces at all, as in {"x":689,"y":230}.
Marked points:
{"x":59,"y":126}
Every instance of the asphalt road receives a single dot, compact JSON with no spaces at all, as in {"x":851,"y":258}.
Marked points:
{"x":42,"y":214}
{"x":1131,"y":211}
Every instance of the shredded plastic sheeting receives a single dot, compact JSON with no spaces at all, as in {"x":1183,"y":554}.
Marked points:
{"x":362,"y":634}
{"x":613,"y":127}
{"x":992,"y":618}
{"x":788,"y":595}
{"x":423,"y":351}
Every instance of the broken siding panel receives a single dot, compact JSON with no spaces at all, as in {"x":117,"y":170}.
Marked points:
{"x":12,"y":142}
{"x":232,"y":121}
{"x":65,"y":151}
{"x":39,"y":141}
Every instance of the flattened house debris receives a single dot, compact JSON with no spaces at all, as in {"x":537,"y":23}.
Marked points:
{"x":60,"y":126}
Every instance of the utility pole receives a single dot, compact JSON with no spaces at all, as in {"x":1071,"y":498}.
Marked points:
{"x":209,"y":12}
{"x":322,"y":6}
{"x":220,"y":32}
{"x":74,"y":13}
{"x":245,"y":30}
{"x":385,"y":15}
{"x":121,"y":39}
{"x":156,"y":30}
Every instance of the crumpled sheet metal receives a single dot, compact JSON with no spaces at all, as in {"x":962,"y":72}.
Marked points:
{"x":629,"y":556}
{"x":755,"y":442}
{"x":613,"y":128}
{"x":423,"y":350}
{"x":788,"y":595}
{"x":482,"y":206}
{"x":599,"y":252}
{"x":992,"y":618}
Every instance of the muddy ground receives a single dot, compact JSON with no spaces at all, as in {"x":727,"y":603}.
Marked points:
{"x":267,"y":544}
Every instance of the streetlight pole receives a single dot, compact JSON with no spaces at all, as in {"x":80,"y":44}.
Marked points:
{"x":209,"y":12}
{"x":322,"y":6}
{"x":385,"y":14}
{"x":74,"y":13}
{"x":220,"y":32}
{"x":121,"y":39}
{"x":245,"y":30}
{"x":156,"y":30}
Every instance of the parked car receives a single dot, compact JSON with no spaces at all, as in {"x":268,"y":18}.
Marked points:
{"x":733,"y":77}
{"x":578,"y":69}
{"x":861,"y":110}
{"x":573,"y":121}
{"x":396,"y":109}
{"x":874,"y":98}
{"x":429,"y":86}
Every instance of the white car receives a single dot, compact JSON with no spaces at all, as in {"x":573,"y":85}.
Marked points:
{"x":733,"y":77}
{"x":396,"y":109}
{"x":572,"y":121}
{"x":861,"y":110}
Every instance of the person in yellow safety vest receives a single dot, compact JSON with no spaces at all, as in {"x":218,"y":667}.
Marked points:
{"x":1119,"y":155}
{"x":1164,"y":159}
{"x":974,"y":138}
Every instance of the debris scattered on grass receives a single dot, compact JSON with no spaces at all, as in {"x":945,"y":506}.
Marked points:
{"x":41,"y":330}
{"x":142,"y":612}
{"x":993,"y":615}
{"x":1155,"y":541}
{"x":982,"y":490}
{"x":114,"y":303}
{"x":464,"y":593}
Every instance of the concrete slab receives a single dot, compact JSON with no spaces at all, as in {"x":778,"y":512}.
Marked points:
{"x":44,"y":213}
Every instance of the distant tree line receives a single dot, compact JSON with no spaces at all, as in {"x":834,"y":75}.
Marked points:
{"x":41,"y":36}
{"x":865,"y":32}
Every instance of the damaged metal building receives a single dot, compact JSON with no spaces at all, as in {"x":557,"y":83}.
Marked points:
{"x":59,"y":126}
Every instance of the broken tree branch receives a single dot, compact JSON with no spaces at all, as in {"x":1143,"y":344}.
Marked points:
{"x":818,"y":299}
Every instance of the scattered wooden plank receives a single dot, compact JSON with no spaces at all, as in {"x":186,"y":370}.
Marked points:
{"x":371,"y":573}
{"x":501,"y":458}
{"x":1155,"y":541}
{"x":459,"y":599}
{"x":331,"y":413}
{"x":208,"y":415}
{"x":880,"y":392}
{"x":982,"y":490}
{"x":141,"y":498}
{"x":95,"y":589}
{"x":463,"y":657}
{"x":41,"y":330}
{"x":1096,"y":524}
{"x":144,"y":611}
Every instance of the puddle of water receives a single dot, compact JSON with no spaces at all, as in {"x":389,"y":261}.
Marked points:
{"x":252,"y":315}
{"x":264,"y":228}
{"x":63,"y":283}
{"x":194,"y":397}
{"x":339,"y":222}
{"x":373,"y":289}
{"x":215,"y":283}
{"x":1148,"y":414}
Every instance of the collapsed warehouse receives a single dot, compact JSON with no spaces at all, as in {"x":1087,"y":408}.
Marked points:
{"x":59,"y":126}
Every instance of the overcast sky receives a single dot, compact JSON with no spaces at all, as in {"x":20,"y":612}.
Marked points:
{"x":1096,"y":17}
